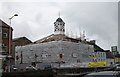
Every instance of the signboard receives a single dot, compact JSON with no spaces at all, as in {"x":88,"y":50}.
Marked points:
{"x":114,"y":48}
{"x":97,"y":64}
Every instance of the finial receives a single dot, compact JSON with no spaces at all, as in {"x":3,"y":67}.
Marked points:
{"x":59,"y":14}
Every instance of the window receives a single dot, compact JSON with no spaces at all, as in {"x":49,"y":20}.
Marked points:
{"x":63,"y":30}
{"x":60,"y":29}
{"x":103,"y":55}
{"x":78,"y":60}
{"x":4,"y":47}
{"x":99,"y":54}
{"x":56,"y":27}
{"x":61,"y":56}
{"x":5,"y":35}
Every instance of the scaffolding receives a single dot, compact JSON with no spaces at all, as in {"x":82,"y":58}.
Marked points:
{"x":50,"y":52}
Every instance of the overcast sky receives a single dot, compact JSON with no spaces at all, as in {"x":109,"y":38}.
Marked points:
{"x":36,"y":19}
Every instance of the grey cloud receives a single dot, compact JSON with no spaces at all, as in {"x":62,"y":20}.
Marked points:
{"x":22,"y":29}
{"x":98,"y":19}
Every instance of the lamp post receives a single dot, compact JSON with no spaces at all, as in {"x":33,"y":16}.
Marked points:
{"x":9,"y":49}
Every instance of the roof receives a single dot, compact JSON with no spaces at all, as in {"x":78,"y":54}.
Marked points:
{"x":63,"y":37}
{"x":96,"y":47}
{"x":20,"y":38}
{"x":57,"y":37}
{"x":59,"y":20}
{"x":22,"y":41}
{"x":4,"y":25}
{"x":15,"y":39}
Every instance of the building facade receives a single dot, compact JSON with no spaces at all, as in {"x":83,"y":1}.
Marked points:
{"x":100,"y":56}
{"x":55,"y":50}
{"x":117,"y":59}
{"x":110,"y":58}
{"x":5,"y":35}
{"x":116,"y":54}
{"x":114,"y":50}
{"x":5,"y":42}
{"x":99,"y":53}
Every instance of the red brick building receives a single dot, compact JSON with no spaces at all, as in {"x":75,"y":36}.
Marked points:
{"x":5,"y":41}
{"x":5,"y":30}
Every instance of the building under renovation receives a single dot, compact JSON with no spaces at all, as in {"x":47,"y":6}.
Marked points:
{"x":55,"y":50}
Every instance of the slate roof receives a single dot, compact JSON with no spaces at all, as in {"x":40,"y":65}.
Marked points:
{"x":59,"y":20}
{"x":22,"y":41}
{"x":96,"y":47}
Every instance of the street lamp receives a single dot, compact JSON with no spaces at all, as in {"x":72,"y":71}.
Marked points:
{"x":9,"y":52}
{"x":12,"y":17}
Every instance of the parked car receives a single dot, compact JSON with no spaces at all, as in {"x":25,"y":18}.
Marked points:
{"x":117,"y":66}
{"x":14,"y":68}
{"x":104,"y":74}
{"x":30,"y":67}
